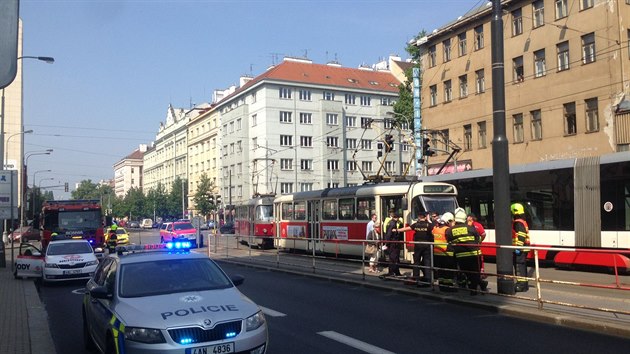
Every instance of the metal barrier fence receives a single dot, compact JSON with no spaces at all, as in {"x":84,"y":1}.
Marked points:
{"x":320,"y":262}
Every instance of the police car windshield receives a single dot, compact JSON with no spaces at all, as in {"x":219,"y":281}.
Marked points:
{"x":183,"y":226}
{"x":170,"y":276}
{"x":55,"y":249}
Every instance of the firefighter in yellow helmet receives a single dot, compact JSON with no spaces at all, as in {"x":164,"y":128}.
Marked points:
{"x":465,"y":242}
{"x":520,"y":237}
{"x":112,"y":239}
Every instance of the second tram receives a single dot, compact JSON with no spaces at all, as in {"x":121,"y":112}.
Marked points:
{"x":333,"y":220}
{"x":581,"y":203}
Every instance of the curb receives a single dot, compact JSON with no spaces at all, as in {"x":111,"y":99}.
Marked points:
{"x":39,"y":331}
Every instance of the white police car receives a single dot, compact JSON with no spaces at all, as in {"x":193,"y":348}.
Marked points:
{"x":169,"y":301}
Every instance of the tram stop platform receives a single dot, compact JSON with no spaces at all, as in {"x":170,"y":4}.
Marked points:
{"x":564,"y":305}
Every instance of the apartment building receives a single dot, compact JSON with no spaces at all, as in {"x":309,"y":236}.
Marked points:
{"x":167,"y":158}
{"x":128,"y":171}
{"x":203,"y":150}
{"x":566,"y":80}
{"x":302,"y":126}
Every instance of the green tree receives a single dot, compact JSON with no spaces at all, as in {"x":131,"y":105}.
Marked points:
{"x":175,"y":198}
{"x":156,"y":202}
{"x":205,"y":187}
{"x":404,"y":106}
{"x":134,"y":204}
{"x":86,"y":190}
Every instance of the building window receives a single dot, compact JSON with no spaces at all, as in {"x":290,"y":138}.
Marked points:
{"x":286,"y":164}
{"x":570,"y":122}
{"x":587,"y":4}
{"x":366,"y":100}
{"x":351,"y":166}
{"x":351,"y":121}
{"x":305,"y":95}
{"x":517,"y":22}
{"x":433,"y":95}
{"x":540,"y":68}
{"x":366,"y":122}
{"x":332,"y":141}
{"x":306,"y":165}
{"x":563,"y":55}
{"x":388,"y":123}
{"x":333,"y":165}
{"x":306,"y":187}
{"x":329,"y":96}
{"x":480,"y":81}
{"x":448,"y":91}
{"x":306,"y":141}
{"x":588,"y":48}
{"x":536,"y":117}
{"x":350,"y":99}
{"x":387,"y":101}
{"x":331,"y":119}
{"x":518,"y":72}
{"x":592,"y":115}
{"x":390,"y":166}
{"x":366,"y":166}
{"x":286,"y":140}
{"x":432,"y":56}
{"x":561,"y":9}
{"x":239,"y":146}
{"x":254,"y":143}
{"x":366,"y":144}
{"x":351,"y":143}
{"x":479,"y":37}
{"x":254,"y":120}
{"x":519,"y":136}
{"x":285,"y":92}
{"x":467,"y":137}
{"x":285,"y":117}
{"x":286,"y":188}
{"x":447,"y":50}
{"x":481,"y":128}
{"x":538,"y":8}
{"x":463,"y":86}
{"x":306,"y":118}
{"x":461,"y":43}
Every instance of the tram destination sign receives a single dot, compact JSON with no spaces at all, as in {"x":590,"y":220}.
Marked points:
{"x":438,"y":188}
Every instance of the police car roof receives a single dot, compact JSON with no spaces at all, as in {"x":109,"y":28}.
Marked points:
{"x":156,"y":255}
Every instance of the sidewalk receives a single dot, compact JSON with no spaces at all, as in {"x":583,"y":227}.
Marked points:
{"x":23,"y":318}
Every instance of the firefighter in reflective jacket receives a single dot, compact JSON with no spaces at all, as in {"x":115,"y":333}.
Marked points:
{"x":112,"y":239}
{"x":443,"y":258}
{"x":465,"y":240}
{"x":520,"y":237}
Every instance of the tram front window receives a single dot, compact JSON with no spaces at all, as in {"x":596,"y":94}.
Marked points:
{"x":439,"y":205}
{"x":264,"y":213}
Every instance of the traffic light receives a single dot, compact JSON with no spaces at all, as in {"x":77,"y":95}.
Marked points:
{"x":211,"y":199}
{"x":379,"y":147}
{"x":218,"y":200}
{"x":65,"y":187}
{"x":426,"y":148}
{"x":389,"y":142}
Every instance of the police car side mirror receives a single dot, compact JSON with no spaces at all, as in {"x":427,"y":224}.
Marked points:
{"x":237,"y":279}
{"x":100,"y":292}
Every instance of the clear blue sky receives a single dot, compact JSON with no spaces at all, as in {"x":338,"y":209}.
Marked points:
{"x":119,"y":64}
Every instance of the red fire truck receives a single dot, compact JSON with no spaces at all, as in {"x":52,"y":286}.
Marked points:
{"x":81,"y":219}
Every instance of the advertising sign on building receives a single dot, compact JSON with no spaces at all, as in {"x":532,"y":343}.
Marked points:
{"x":8,"y":194}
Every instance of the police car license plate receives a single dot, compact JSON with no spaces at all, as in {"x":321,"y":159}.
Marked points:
{"x":74,"y":271}
{"x":213,"y":349}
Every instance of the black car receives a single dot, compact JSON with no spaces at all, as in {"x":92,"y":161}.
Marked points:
{"x":227,"y":228}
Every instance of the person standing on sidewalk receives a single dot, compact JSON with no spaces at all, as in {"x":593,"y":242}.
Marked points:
{"x":443,"y":257}
{"x":465,"y":241}
{"x":393,"y":246}
{"x":421,"y":251}
{"x":520,"y":237}
{"x":375,"y":236}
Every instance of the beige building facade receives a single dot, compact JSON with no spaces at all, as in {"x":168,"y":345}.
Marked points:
{"x":128,"y":172}
{"x":566,"y":81}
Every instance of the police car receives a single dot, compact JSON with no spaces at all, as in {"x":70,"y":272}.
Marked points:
{"x":168,"y":300}
{"x":64,"y":259}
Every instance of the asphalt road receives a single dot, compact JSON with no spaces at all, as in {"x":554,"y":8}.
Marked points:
{"x":307,"y":315}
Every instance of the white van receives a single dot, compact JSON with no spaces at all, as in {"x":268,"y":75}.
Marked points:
{"x":146,"y":223}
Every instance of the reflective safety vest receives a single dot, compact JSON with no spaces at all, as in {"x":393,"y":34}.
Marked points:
{"x":520,"y":234}
{"x":440,"y":246}
{"x":464,"y":234}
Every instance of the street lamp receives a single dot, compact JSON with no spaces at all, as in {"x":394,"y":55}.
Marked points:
{"x":6,"y":154}
{"x":25,"y":164}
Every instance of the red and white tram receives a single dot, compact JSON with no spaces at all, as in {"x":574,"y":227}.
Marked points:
{"x":580,"y":204}
{"x":328,"y":220}
{"x":253,"y":221}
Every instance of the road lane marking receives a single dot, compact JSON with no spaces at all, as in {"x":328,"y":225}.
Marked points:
{"x":355,"y":343}
{"x":271,"y":313}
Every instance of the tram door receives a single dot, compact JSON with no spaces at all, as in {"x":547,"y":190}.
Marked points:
{"x":314,"y":227}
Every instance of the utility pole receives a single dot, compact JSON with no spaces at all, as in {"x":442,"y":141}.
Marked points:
{"x":500,"y":156}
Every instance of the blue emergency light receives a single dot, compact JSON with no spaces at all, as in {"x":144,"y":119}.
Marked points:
{"x":179,"y":245}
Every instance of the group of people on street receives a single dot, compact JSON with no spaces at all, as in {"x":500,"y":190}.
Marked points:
{"x":455,"y":239}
